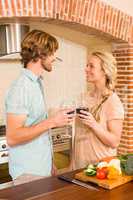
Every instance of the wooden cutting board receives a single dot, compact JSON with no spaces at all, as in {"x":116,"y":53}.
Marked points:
{"x":105,"y":183}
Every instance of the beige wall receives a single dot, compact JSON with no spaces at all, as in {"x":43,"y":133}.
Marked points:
{"x":124,"y":5}
{"x":67,"y":79}
{"x":89,"y":41}
{"x":9,"y":70}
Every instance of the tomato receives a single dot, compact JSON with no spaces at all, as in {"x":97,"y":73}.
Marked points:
{"x":105,"y":169}
{"x":101,"y":174}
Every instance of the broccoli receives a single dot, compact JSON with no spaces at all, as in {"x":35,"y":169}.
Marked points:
{"x":127,"y":163}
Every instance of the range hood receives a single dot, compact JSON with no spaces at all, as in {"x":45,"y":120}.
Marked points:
{"x":11,"y":36}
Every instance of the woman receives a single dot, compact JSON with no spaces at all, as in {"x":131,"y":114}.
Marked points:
{"x":98,"y":131}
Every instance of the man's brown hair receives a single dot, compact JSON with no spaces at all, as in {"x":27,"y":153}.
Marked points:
{"x":37,"y":43}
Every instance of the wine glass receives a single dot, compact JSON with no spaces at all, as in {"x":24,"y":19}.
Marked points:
{"x":81,"y":104}
{"x":68,"y":104}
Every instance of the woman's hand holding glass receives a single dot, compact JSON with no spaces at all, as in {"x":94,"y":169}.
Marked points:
{"x":87,"y":119}
{"x":83,"y":113}
{"x":81,"y":105}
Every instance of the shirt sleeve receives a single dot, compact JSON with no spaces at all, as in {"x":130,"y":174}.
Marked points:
{"x":17,"y":100}
{"x":115,"y":109}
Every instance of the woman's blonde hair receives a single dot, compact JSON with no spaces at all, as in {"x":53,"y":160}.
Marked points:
{"x":109,"y":66}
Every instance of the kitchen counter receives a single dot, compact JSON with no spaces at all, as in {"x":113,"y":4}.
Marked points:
{"x":53,"y":188}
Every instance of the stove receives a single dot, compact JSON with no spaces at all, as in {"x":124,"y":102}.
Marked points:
{"x":4,"y":171}
{"x":61,"y":138}
{"x":3,"y":145}
{"x":3,"y":150}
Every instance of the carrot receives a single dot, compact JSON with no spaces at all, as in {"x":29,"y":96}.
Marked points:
{"x":108,"y":159}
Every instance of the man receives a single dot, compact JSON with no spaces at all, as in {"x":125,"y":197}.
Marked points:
{"x":27,"y":124}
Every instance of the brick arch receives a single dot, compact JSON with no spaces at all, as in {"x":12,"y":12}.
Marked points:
{"x":91,"y":13}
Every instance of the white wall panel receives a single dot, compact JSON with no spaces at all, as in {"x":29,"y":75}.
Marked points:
{"x":67,"y":79}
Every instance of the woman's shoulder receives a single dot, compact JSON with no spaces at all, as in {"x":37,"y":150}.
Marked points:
{"x":114,"y":106}
{"x":114,"y":99}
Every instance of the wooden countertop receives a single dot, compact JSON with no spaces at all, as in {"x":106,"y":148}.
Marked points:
{"x":55,"y":189}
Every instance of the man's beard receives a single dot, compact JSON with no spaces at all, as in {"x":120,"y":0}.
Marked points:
{"x":46,"y":67}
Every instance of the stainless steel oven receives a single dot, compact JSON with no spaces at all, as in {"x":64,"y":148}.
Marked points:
{"x":62,"y":146}
{"x":4,"y":171}
{"x":3,"y":150}
{"x":61,"y":138}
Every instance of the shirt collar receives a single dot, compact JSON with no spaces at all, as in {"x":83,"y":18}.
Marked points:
{"x":30,"y":74}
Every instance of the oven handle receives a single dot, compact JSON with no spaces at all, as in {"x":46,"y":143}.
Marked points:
{"x":4,"y":155}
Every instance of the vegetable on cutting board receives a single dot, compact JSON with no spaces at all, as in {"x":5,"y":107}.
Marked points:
{"x":110,"y":169}
{"x":102,"y":164}
{"x":113,"y":173}
{"x":115,"y":163}
{"x":126,"y":162}
{"x":102,"y":173}
{"x":90,"y":170}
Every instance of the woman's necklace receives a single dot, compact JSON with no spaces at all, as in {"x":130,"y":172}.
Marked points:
{"x":96,"y":108}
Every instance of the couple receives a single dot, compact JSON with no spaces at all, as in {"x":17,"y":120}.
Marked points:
{"x":28,"y":125}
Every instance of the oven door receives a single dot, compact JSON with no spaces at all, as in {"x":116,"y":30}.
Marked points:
{"x":4,"y":170}
{"x":62,"y":146}
{"x":3,"y":157}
